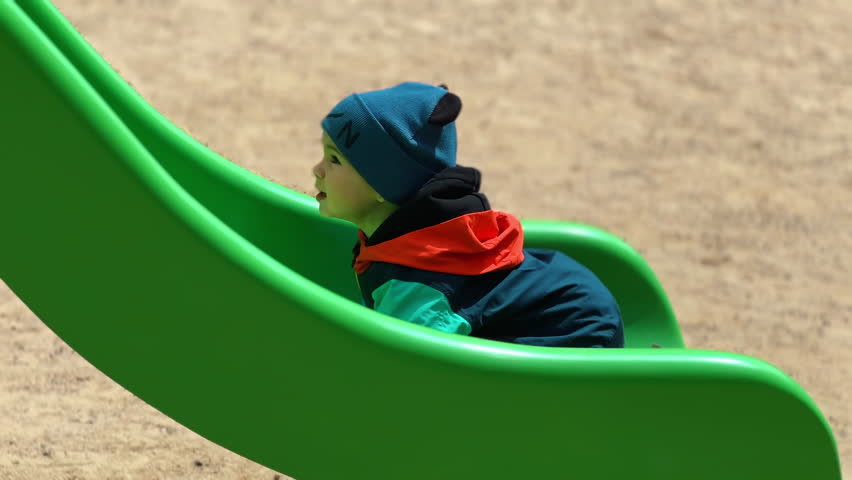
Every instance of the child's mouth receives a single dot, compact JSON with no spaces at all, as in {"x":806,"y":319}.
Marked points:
{"x":320,"y":196}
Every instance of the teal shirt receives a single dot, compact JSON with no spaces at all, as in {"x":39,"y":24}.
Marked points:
{"x":419,"y":304}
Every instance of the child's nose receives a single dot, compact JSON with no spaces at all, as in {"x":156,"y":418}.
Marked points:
{"x":318,"y":170}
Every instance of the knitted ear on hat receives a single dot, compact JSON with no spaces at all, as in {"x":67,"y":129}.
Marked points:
{"x":447,"y":110}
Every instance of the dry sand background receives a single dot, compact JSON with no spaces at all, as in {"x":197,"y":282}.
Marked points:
{"x":712,"y":136}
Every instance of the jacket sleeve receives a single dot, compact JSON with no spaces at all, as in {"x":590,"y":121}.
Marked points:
{"x":419,"y":304}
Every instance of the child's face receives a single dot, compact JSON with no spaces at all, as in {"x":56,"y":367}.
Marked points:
{"x":343,"y":193}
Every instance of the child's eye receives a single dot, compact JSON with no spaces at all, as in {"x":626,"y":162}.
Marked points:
{"x":334,"y":160}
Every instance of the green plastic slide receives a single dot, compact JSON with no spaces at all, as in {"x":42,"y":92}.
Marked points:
{"x":227,"y":303}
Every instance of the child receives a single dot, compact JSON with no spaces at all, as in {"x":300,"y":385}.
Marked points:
{"x":431,"y":251}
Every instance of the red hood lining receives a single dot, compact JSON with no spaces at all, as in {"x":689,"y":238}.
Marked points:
{"x":470,"y":244}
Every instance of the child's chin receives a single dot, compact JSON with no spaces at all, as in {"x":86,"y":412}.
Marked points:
{"x":323,"y":211}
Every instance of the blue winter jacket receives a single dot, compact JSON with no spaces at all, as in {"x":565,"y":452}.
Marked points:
{"x":447,"y":261}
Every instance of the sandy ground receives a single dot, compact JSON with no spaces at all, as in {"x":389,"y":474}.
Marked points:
{"x":712,"y":136}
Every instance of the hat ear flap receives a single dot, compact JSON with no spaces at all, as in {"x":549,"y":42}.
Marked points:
{"x":447,"y":110}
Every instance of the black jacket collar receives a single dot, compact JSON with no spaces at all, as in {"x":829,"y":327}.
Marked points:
{"x":451,"y":193}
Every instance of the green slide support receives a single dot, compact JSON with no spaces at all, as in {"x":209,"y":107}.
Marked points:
{"x":226,"y":302}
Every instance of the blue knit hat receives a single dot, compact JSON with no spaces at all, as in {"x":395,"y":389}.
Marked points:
{"x":397,"y":138}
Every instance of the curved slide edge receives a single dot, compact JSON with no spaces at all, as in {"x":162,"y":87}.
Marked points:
{"x":144,"y":282}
